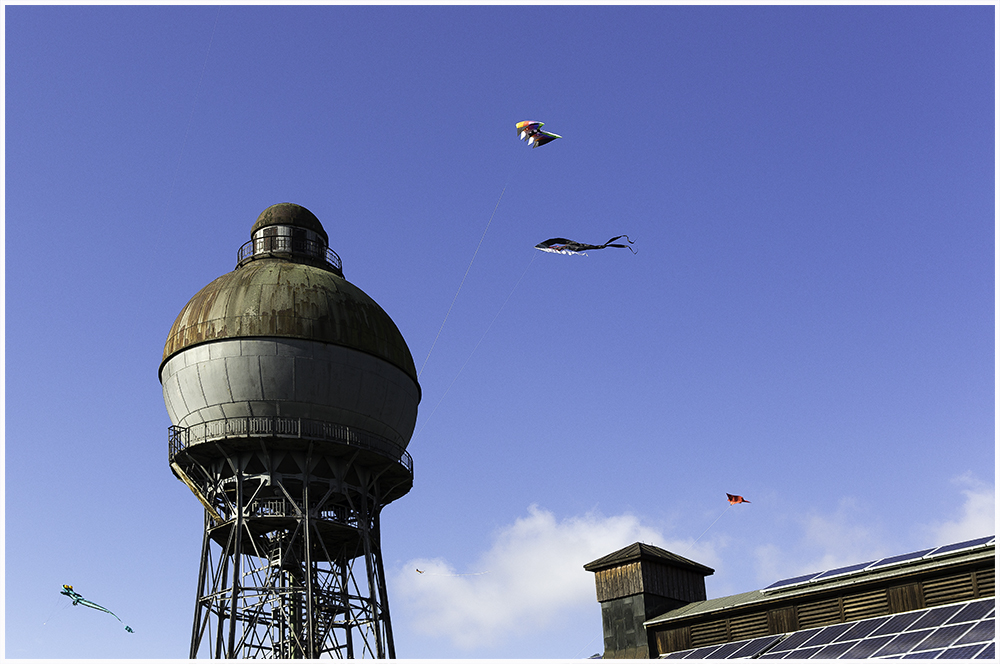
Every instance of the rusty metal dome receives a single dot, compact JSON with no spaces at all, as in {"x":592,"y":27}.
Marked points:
{"x":289,"y":214}
{"x":278,"y":296}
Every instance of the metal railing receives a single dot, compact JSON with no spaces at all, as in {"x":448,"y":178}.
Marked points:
{"x":283,"y":244}
{"x":180,"y":438}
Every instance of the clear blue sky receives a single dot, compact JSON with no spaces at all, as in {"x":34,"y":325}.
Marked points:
{"x":808,"y":321}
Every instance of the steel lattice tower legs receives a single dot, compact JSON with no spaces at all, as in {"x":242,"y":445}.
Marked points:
{"x":291,"y":563}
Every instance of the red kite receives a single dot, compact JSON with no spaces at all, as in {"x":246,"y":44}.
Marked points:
{"x":736,"y":499}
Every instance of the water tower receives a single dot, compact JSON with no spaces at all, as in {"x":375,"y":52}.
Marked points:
{"x":292,"y":396}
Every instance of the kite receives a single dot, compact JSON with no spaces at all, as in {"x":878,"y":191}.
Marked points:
{"x":531,"y":131}
{"x":78,"y":599}
{"x":420,"y":571}
{"x":736,"y":499}
{"x":560,"y":245}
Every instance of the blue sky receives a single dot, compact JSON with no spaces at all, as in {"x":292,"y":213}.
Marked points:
{"x":808,"y":321}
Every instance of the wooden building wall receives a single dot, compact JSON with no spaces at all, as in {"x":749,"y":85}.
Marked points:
{"x":650,"y":577}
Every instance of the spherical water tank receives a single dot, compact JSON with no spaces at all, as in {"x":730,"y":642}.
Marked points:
{"x":285,"y":336}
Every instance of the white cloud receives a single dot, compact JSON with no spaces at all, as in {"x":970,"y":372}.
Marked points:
{"x":851,"y":534}
{"x":976,"y":518}
{"x":535,"y":574}
{"x":825,"y":541}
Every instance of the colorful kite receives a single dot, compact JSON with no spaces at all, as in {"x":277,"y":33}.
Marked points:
{"x":733,"y":500}
{"x":531,"y":131}
{"x":560,"y":245}
{"x":78,"y":599}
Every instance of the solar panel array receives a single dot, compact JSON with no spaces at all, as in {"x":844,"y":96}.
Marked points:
{"x":882,"y":562}
{"x":957,"y":631}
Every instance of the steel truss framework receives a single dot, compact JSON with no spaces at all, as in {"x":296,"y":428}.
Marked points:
{"x":291,"y":565}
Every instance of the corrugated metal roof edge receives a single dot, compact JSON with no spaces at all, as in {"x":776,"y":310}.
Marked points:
{"x":758,"y":596}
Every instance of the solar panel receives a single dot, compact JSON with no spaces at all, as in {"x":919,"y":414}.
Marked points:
{"x":981,"y":631}
{"x":863,"y":628}
{"x":927,"y":654}
{"x":973,"y":611}
{"x":703,"y":653}
{"x":961,"y":631}
{"x":936,"y":617}
{"x":884,"y":562}
{"x":903,"y":642}
{"x":792,"y":581}
{"x":962,"y":652}
{"x":900,"y":558}
{"x":968,"y":544}
{"x":755,"y":647}
{"x":944,"y":636}
{"x":797,"y":639}
{"x":727,"y":650}
{"x":833,"y":651}
{"x":828,"y":634}
{"x":898,"y":623}
{"x":842,"y":570}
{"x":867,"y":647}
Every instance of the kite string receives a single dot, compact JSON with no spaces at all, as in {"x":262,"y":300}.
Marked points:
{"x":495,"y":207}
{"x":488,"y":327}
{"x":713,"y":523}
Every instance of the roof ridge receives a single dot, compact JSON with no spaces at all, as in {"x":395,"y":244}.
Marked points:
{"x":638,"y":551}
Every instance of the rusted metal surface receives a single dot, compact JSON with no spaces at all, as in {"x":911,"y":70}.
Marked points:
{"x":289,"y":214}
{"x":278,"y":298}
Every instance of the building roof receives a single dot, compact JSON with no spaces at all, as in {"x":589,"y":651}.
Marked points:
{"x":882,"y":569}
{"x":640,"y":551}
{"x":962,"y":630}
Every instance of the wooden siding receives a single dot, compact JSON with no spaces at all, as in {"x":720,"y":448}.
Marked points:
{"x":618,"y":582}
{"x":948,"y":589}
{"x":649,"y":577}
{"x":672,"y":640}
{"x":985,"y":582}
{"x":708,"y":633}
{"x":817,"y":614}
{"x":672,"y":582}
{"x":748,"y":627}
{"x":782,"y":620}
{"x":866,"y":605}
{"x":905,"y":598}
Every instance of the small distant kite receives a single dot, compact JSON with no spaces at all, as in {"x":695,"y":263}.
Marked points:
{"x":78,"y":599}
{"x":420,"y":571}
{"x":733,"y":500}
{"x":531,"y":131}
{"x":560,"y":245}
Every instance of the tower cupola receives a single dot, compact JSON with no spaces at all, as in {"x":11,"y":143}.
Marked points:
{"x":292,"y":232}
